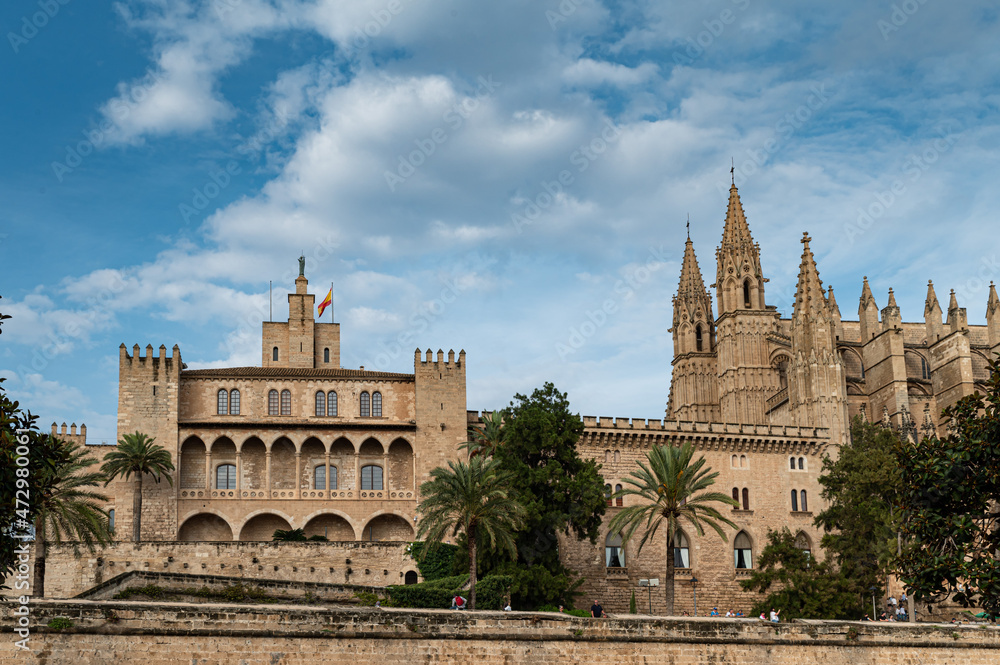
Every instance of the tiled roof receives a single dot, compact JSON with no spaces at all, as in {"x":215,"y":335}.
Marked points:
{"x":291,"y":372}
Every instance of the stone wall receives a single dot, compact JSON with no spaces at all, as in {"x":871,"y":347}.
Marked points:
{"x":162,"y":634}
{"x":370,"y":564}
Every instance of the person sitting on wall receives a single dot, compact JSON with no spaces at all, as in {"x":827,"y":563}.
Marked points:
{"x":458,"y":603}
{"x":714,"y":612}
{"x":775,"y":616}
{"x":597,"y":611}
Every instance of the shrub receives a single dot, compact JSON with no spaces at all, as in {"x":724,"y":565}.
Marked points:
{"x":240,"y":592}
{"x":366,"y":598}
{"x":150,"y":591}
{"x":492,"y":591}
{"x":571,"y":612}
{"x":631,"y":603}
{"x":439,"y":562}
{"x":60,"y":623}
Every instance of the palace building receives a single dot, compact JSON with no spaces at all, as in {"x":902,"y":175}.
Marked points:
{"x":301,"y":442}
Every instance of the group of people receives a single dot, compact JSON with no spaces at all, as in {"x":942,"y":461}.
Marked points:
{"x":735,"y":614}
{"x":894,"y":611}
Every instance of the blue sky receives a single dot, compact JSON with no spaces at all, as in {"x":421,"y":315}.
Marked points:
{"x":529,"y":161}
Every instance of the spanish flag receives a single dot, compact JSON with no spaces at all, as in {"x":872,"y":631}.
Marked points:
{"x":327,"y":301}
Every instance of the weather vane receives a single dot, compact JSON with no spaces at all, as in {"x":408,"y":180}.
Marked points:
{"x":689,"y":226}
{"x":732,"y":169}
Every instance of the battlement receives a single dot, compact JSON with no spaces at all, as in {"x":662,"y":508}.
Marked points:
{"x":71,"y":435}
{"x":144,"y":364}
{"x":427,"y":359}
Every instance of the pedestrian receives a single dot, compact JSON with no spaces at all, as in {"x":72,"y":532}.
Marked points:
{"x":458,"y":603}
{"x":775,"y":616}
{"x":596,"y":610}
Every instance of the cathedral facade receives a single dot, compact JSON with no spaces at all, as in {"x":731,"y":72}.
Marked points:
{"x":301,"y":442}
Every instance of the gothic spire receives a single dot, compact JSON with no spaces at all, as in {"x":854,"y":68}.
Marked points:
{"x":867,"y":313}
{"x":736,"y":231}
{"x":953,"y":302}
{"x":866,"y":296}
{"x":892,"y":299}
{"x":809,"y":295}
{"x":832,"y":302}
{"x":932,"y":300}
{"x":692,"y":284}
{"x":993,"y":304}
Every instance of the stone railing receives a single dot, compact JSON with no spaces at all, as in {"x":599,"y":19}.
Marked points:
{"x":777,"y":399}
{"x":340,"y":495}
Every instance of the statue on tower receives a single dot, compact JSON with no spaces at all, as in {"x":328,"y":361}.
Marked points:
{"x":302,"y":266}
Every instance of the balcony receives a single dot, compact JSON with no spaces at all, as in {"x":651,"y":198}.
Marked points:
{"x":306,"y":494}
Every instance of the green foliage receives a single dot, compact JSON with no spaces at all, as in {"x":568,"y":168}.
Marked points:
{"x":474,"y":499}
{"x":435,"y":564}
{"x":493,"y":590}
{"x":240,"y":592}
{"x":366,"y":598}
{"x":560,"y":491}
{"x":802,"y":588}
{"x":950,"y":516}
{"x":862,"y":490}
{"x":486,"y":438}
{"x":319,"y":539}
{"x":60,"y":623}
{"x":150,"y":591}
{"x":571,"y":612}
{"x":531,"y":583}
{"x":631,"y":603}
{"x":289,"y":535}
{"x":420,"y":596}
{"x":672,"y":488}
{"x":450,"y":582}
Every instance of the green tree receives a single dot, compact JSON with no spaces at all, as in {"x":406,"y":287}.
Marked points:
{"x":951,"y":505}
{"x":69,"y":506}
{"x":672,"y":488}
{"x":474,"y":499}
{"x":862,"y":490}
{"x":484,"y":439}
{"x":805,"y":588}
{"x":560,"y":492}
{"x":137,"y":454}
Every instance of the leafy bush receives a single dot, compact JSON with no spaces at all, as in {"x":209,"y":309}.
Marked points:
{"x":366,"y":598}
{"x":150,"y":591}
{"x":571,"y":612}
{"x":450,"y":582}
{"x":289,"y":535}
{"x":439,"y":562}
{"x":240,"y":592}
{"x":492,"y":592}
{"x":420,"y":596}
{"x":60,"y":623}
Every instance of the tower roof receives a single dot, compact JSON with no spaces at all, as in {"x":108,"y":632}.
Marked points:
{"x":736,"y":230}
{"x":832,"y":302}
{"x":810,"y":294}
{"x":953,"y":302}
{"x":892,"y":299}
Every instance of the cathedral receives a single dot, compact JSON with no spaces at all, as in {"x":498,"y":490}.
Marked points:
{"x":303,"y":443}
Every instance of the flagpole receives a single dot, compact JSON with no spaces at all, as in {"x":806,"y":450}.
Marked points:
{"x":270,"y":306}
{"x":331,"y":303}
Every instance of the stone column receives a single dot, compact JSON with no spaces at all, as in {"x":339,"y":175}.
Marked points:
{"x":298,"y":474}
{"x":385,"y":474}
{"x":239,"y":472}
{"x":357,"y":473}
{"x":267,"y":464}
{"x":208,"y":471}
{"x":329,"y":492}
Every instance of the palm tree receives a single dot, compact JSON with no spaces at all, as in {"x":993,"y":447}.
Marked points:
{"x":485,"y":439}
{"x":473,"y":499}
{"x":671,"y":488}
{"x":136,"y":453}
{"x":69,"y":506}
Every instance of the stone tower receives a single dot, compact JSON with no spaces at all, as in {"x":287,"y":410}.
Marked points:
{"x":817,"y":387}
{"x":301,"y":341}
{"x":746,"y":378}
{"x":695,"y":368}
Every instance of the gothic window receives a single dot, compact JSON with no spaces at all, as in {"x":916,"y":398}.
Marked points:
{"x":736,"y":496}
{"x":274,"y":354}
{"x":734,"y":462}
{"x":371,"y":477}
{"x":791,"y":463}
{"x":286,"y":402}
{"x":925,"y":370}
{"x":326,"y":355}
{"x":746,"y":294}
{"x":802,"y":494}
{"x":331,"y":403}
{"x":795,"y":501}
{"x":743,"y":461}
{"x":742,"y":551}
{"x":697,"y":337}
{"x":376,"y":404}
{"x":333,"y":478}
{"x":607,"y":457}
{"x":225,"y":477}
{"x":682,"y":556}
{"x":111,"y":520}
{"x":234,"y":402}
{"x":802,"y":463}
{"x":319,"y":477}
{"x":320,"y":403}
{"x":223,"y":402}
{"x":746,"y":499}
{"x":618,"y":456}
{"x":614,"y":553}
{"x":802,"y":543}
{"x":618,"y":499}
{"x":272,"y":403}
{"x":607,"y":493}
{"x":366,"y":408}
